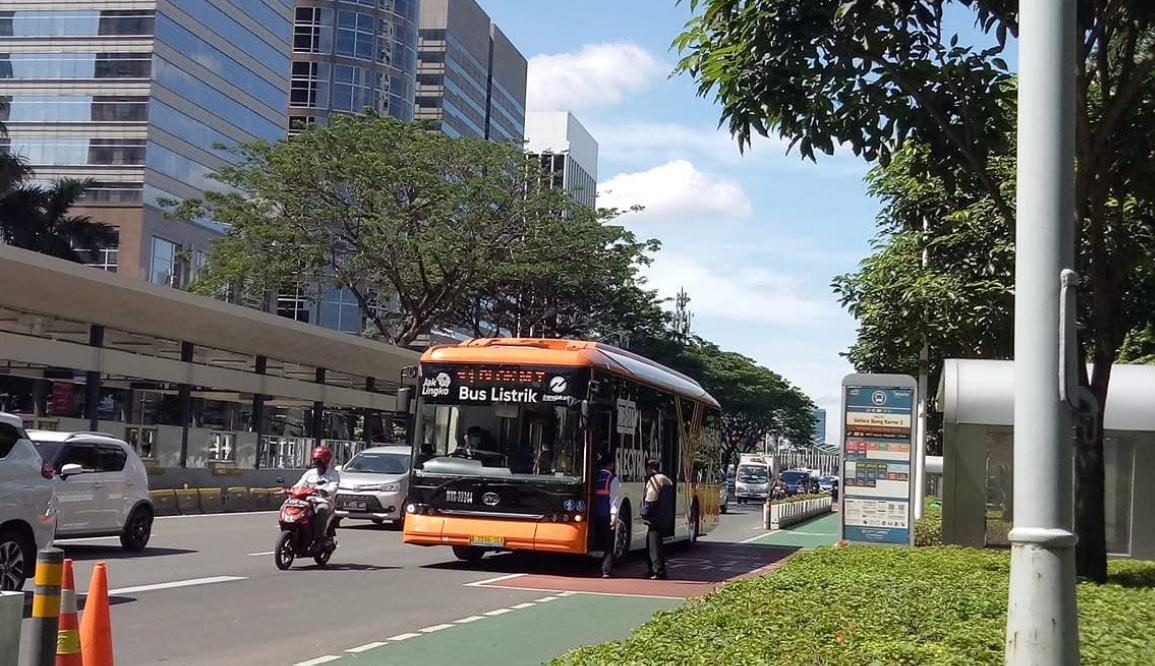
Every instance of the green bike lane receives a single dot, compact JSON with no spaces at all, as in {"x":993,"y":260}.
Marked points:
{"x":536,"y":631}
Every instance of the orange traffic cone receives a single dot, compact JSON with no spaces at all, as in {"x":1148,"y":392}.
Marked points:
{"x":68,"y":634}
{"x":96,"y":626}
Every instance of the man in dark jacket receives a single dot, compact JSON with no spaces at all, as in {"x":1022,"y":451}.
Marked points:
{"x":658,"y":514}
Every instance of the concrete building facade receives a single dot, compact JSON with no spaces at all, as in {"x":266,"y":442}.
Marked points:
{"x":568,"y":152}
{"x":470,"y":77}
{"x":134,"y":95}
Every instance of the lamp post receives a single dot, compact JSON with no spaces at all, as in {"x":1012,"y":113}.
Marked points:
{"x":1042,"y":625}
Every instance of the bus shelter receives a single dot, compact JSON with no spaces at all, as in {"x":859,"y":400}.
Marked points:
{"x":976,"y":398}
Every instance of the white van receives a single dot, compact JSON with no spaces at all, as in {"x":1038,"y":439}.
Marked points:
{"x":27,"y":504}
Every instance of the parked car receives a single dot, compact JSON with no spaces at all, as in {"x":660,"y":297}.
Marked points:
{"x":374,"y":485}
{"x":724,"y":497}
{"x":27,"y":504}
{"x":101,"y":486}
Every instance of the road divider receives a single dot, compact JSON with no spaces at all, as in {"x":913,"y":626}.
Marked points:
{"x":163,"y":502}
{"x":211,"y":500}
{"x":238,"y":499}
{"x":784,"y":514}
{"x":187,"y":501}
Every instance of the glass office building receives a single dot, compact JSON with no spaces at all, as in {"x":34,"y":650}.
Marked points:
{"x":135,"y":95}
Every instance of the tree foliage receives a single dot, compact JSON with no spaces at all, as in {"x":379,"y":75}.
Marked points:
{"x":448,"y":231}
{"x":875,"y":75}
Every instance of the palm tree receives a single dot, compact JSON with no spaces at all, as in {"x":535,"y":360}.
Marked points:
{"x":35,"y":217}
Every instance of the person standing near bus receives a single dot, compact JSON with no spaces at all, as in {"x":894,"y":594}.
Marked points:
{"x":658,"y":514}
{"x":607,"y":501}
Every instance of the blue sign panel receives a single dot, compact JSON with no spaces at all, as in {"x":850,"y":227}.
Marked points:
{"x":819,"y":426}
{"x":877,"y":459}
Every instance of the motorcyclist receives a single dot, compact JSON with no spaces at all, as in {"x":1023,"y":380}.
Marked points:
{"x":324,"y":479}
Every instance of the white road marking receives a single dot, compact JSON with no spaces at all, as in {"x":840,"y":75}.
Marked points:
{"x":402,"y":637}
{"x":467,"y":620}
{"x":566,"y":594}
{"x":545,"y":599}
{"x":176,"y":583}
{"x":436,"y":627}
{"x":499,"y":611}
{"x":319,"y":660}
{"x":756,"y":537}
{"x":218,"y":515}
{"x":262,"y":554}
{"x":366,"y":647}
{"x":521,"y":606}
{"x":487,"y":581}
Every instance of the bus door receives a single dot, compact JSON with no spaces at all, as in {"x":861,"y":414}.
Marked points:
{"x":671,"y":462}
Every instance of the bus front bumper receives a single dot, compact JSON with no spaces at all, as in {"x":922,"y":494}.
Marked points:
{"x":511,"y":534}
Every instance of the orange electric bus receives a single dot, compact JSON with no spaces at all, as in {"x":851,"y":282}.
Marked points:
{"x":506,"y":432}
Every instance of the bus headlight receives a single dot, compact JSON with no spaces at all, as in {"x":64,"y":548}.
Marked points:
{"x":411,"y":508}
{"x":574,"y":505}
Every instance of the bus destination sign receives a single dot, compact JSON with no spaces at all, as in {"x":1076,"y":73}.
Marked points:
{"x":497,"y":385}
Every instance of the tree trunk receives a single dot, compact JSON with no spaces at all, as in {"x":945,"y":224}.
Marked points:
{"x":1090,"y":484}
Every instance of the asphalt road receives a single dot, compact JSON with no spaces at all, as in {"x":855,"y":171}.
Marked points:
{"x":206,"y":590}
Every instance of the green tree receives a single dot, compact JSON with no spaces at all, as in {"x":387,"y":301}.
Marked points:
{"x":36,"y":217}
{"x":382,"y":208}
{"x":871,"y":75}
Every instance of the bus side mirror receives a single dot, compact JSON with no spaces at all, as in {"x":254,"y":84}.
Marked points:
{"x":404,"y":399}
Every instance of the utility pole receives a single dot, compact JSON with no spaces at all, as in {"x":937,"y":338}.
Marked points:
{"x":1042,"y":624}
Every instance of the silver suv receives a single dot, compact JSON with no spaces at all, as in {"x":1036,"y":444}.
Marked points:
{"x":27,"y":504}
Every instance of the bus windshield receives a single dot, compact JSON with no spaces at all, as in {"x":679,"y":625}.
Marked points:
{"x":542,"y":442}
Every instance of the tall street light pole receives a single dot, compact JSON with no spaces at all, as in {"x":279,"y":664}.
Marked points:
{"x":1042,"y":625}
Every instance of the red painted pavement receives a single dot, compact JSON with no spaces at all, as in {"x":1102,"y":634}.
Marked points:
{"x":691,"y":572}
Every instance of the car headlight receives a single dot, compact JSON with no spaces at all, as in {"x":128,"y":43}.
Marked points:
{"x":390,"y":487}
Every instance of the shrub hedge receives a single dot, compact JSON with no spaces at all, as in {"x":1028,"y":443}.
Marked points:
{"x":867,"y":605}
{"x":928,"y":529}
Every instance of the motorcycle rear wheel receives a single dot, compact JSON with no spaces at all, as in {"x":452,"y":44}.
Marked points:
{"x":283,"y":553}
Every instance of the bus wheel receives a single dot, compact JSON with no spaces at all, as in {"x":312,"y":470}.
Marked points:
{"x":469,"y":554}
{"x":624,"y":533}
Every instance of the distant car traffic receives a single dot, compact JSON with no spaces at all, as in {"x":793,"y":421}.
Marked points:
{"x":27,"y":504}
{"x":826,"y":483}
{"x":794,"y":481}
{"x":101,"y":486}
{"x":752,"y":482}
{"x":374,"y":485}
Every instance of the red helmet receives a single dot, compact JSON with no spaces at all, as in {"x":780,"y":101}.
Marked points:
{"x":323,"y":454}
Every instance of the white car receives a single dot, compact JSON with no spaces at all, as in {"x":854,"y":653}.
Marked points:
{"x":374,"y":485}
{"x":101,"y":486}
{"x":27,"y":504}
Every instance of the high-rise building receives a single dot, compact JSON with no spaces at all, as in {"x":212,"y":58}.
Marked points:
{"x":349,"y":55}
{"x":568,"y":152}
{"x":134,"y":95}
{"x":470,"y":77}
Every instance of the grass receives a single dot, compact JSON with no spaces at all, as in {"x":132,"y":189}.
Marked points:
{"x":862,"y":605}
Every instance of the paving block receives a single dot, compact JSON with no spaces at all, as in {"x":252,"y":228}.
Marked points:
{"x":212,"y":500}
{"x":164,"y":502}
{"x":237,"y":499}
{"x":187,"y":501}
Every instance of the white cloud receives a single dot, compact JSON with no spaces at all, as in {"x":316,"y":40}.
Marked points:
{"x":595,"y":75}
{"x":739,"y":293}
{"x":674,"y":190}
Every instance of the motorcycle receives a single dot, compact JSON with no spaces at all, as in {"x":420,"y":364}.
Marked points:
{"x":296,"y":538}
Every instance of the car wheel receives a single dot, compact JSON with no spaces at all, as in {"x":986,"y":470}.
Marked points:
{"x":16,"y":560}
{"x":725,"y":508}
{"x":137,"y":530}
{"x":469,"y":554}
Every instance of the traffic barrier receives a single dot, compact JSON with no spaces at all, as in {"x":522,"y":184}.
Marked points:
{"x":163,"y":502}
{"x":96,"y":625}
{"x":212,"y":500}
{"x":40,"y":648}
{"x":187,"y":500}
{"x":258,"y":499}
{"x":237,"y":499}
{"x":11,"y":616}
{"x":276,"y":497}
{"x":68,"y":635}
{"x":790,"y":513}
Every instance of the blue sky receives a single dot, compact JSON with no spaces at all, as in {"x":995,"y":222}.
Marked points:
{"x":754,"y":239}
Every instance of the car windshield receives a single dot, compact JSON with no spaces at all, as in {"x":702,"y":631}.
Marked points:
{"x":376,"y":462}
{"x":527,"y":441}
{"x":753,"y":474}
{"x":48,"y":450}
{"x":793,"y":477}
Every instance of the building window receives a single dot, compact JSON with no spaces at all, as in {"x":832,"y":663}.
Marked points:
{"x":122,"y":66}
{"x":116,"y":151}
{"x":355,"y":88}
{"x":355,"y":35}
{"x":310,"y":84}
{"x":313,"y":31}
{"x":103,"y":257}
{"x":164,"y":266}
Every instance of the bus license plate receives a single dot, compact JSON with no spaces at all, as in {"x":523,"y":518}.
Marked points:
{"x":487,"y":541}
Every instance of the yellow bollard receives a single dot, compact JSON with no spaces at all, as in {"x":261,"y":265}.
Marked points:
{"x":41,"y":644}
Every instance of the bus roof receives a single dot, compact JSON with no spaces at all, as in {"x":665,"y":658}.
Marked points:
{"x":582,"y":353}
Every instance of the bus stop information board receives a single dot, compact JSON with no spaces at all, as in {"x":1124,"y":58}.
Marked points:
{"x":878,"y":459}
